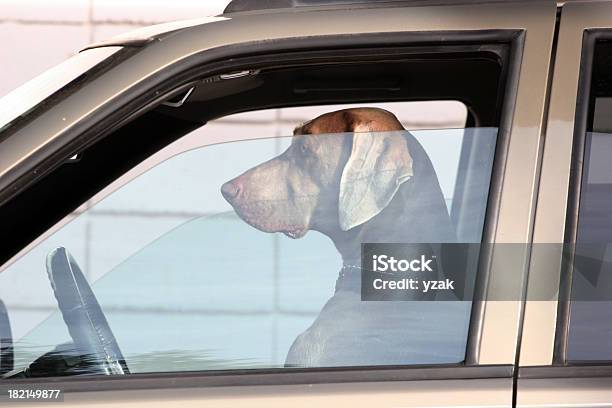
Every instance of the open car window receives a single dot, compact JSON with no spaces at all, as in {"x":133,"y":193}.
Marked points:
{"x":191,"y":278}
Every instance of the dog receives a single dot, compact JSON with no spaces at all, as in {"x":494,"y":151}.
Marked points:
{"x":356,"y":176}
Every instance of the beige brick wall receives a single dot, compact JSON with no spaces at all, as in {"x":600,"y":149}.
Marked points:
{"x":38,"y":34}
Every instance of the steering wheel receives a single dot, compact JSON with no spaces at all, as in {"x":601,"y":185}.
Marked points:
{"x":6,"y":342}
{"x":83,"y":315}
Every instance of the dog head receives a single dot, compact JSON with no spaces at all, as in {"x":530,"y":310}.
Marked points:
{"x":341,"y":169}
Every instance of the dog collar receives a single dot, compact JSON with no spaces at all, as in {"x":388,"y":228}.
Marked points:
{"x":346,"y":268}
{"x":349,"y":278}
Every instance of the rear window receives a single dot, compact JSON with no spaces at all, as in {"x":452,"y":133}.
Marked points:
{"x":590,"y":320}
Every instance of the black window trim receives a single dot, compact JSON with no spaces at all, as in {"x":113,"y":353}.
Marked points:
{"x":181,"y":75}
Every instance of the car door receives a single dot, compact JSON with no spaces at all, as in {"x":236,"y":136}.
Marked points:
{"x":117,"y":103}
{"x":565,"y":349}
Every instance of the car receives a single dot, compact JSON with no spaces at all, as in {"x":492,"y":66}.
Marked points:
{"x":375,"y":203}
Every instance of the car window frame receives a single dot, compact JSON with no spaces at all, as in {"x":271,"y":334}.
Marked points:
{"x":545,"y":333}
{"x":385,"y":373}
{"x":141,"y":98}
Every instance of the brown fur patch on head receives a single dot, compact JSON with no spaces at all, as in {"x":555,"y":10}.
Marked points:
{"x":346,"y":120}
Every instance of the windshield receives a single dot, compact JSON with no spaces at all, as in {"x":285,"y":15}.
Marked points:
{"x":22,"y":100}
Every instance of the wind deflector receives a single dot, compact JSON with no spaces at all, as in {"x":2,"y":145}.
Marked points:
{"x":237,"y":6}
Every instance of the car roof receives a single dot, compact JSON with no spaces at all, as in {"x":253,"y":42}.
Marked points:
{"x":244,"y":8}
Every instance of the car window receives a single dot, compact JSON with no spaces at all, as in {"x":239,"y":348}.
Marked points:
{"x":589,"y":331}
{"x":239,"y":246}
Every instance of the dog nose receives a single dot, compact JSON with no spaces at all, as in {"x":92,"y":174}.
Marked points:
{"x":230,"y":191}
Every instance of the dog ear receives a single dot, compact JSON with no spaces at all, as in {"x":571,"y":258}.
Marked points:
{"x":379,"y":163}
